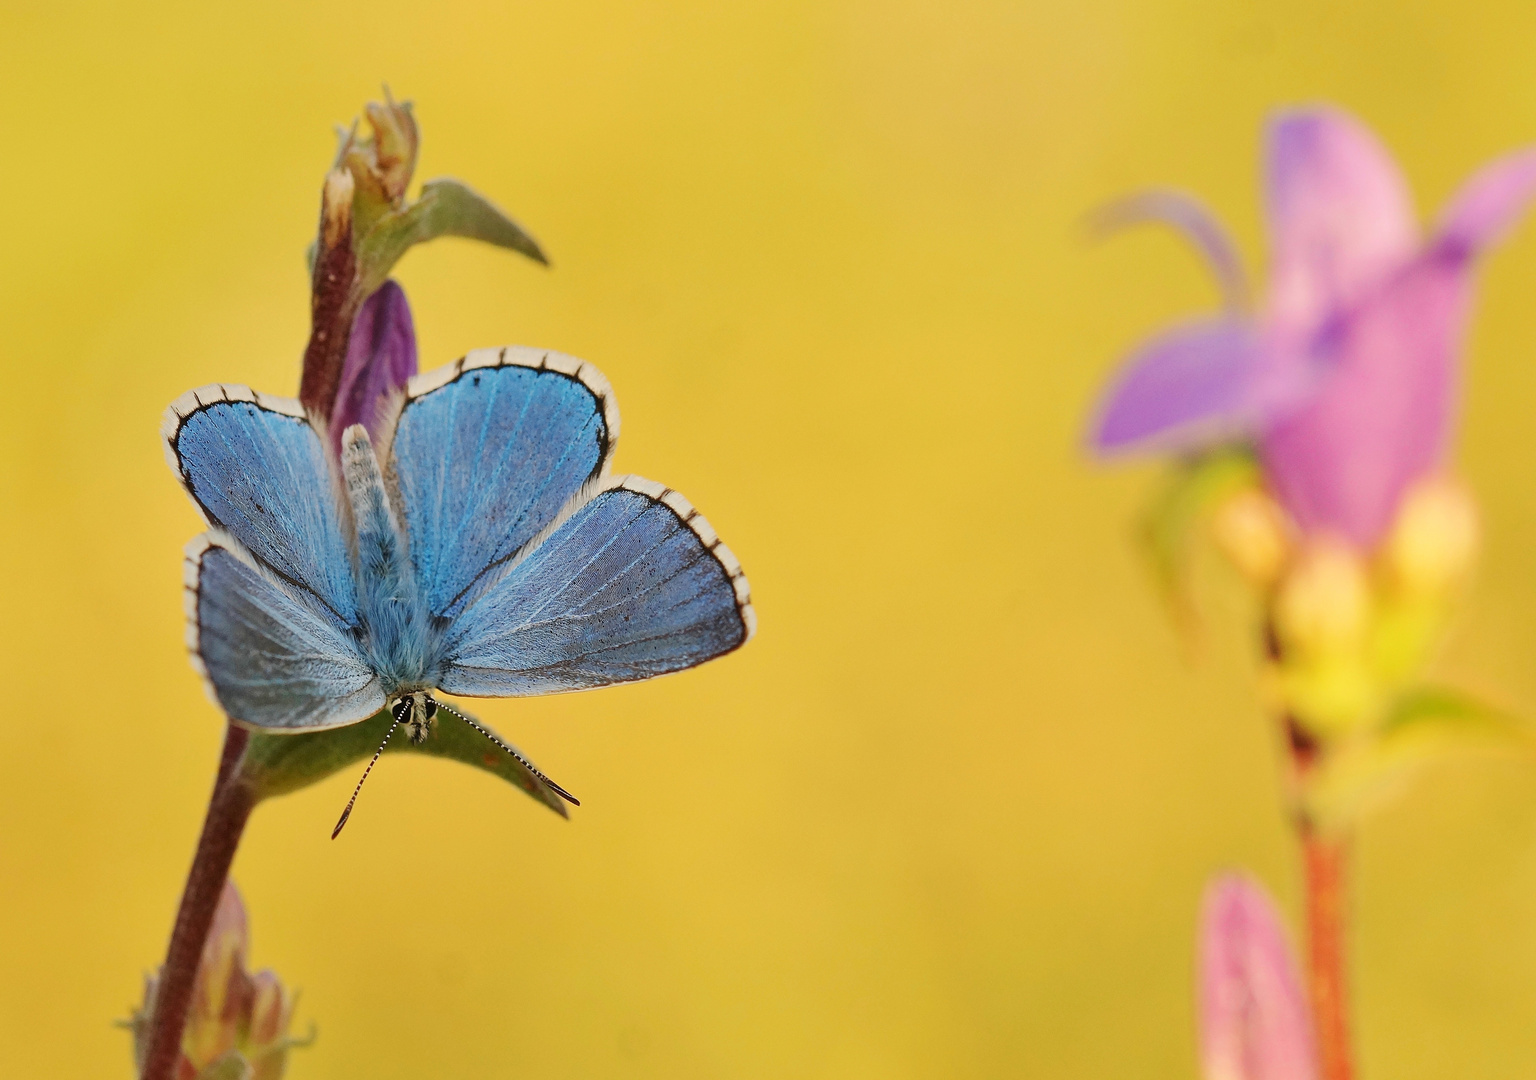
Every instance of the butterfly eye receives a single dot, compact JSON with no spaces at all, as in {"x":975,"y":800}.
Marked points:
{"x":431,"y":707}
{"x":401,"y":710}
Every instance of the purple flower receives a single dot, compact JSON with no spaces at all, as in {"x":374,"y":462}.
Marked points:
{"x":1346,"y":381}
{"x":1254,"y":1021}
{"x":381,"y":357}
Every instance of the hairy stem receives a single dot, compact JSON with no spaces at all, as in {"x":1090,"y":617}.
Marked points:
{"x":334,"y":297}
{"x":1326,"y":949}
{"x":229,"y":808}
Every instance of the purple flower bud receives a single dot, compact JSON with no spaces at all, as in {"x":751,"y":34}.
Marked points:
{"x":1347,"y":380}
{"x":1254,"y":1021}
{"x":381,"y":357}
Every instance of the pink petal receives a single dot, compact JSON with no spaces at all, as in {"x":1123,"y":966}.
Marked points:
{"x":1340,"y":216}
{"x":381,"y":357}
{"x":1383,"y":418}
{"x":1489,"y":204}
{"x":1197,"y":385}
{"x":1254,"y":1021}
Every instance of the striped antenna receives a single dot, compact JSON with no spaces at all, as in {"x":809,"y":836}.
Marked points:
{"x":524,"y":762}
{"x":348,"y":811}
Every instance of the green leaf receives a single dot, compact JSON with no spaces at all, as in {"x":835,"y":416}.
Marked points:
{"x":1172,"y":524}
{"x":445,"y":208}
{"x":278,"y":764}
{"x":1423,"y":726}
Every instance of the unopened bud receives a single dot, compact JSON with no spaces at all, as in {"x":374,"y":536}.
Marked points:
{"x":1324,"y":601}
{"x":237,"y":1024}
{"x":1434,"y":540}
{"x":1253,"y":531}
{"x":1254,"y":1022}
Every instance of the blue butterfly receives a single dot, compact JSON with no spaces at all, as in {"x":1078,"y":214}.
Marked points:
{"x":481,"y":549}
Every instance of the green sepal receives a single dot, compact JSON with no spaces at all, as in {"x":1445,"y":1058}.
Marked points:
{"x":445,"y":208}
{"x":1170,"y":527}
{"x":279,"y":764}
{"x":230,"y":1066}
{"x":1423,"y":726}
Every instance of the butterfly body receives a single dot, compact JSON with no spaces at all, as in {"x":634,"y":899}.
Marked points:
{"x":481,"y":548}
{"x":416,"y":711}
{"x":402,"y":642}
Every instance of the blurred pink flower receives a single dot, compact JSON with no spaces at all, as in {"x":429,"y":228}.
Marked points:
{"x":1254,"y":1021}
{"x":381,"y":357}
{"x":1346,"y":382}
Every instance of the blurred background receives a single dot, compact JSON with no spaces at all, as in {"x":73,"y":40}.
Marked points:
{"x":950,"y":813}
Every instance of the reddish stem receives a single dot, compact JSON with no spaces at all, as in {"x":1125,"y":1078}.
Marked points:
{"x":1326,"y":948}
{"x":334,"y":299}
{"x":1325,"y":858}
{"x":229,"y":808}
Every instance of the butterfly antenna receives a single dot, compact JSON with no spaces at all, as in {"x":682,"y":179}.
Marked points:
{"x":348,"y":811}
{"x":524,"y":762}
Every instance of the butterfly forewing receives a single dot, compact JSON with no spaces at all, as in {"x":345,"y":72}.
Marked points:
{"x":486,"y":453}
{"x":257,"y":470}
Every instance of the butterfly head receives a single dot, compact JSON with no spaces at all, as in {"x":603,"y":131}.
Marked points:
{"x":415,"y":711}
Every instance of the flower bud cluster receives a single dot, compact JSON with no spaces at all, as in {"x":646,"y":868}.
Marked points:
{"x":1349,"y":627}
{"x":238,"y":1023}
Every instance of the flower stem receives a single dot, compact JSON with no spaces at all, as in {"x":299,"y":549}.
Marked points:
{"x":229,"y":807}
{"x":1325,"y":864}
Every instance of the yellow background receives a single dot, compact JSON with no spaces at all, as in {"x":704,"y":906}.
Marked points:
{"x":950,"y":813}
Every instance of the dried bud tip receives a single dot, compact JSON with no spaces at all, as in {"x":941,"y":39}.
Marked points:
{"x":336,"y":209}
{"x":384,"y":163}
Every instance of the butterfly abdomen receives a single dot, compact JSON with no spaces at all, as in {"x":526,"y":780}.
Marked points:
{"x":400,"y":638}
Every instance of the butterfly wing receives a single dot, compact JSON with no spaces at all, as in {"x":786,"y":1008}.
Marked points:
{"x":632,"y":584}
{"x":485,"y":454}
{"x":257,"y":471}
{"x":271,"y":655}
{"x":271,"y":601}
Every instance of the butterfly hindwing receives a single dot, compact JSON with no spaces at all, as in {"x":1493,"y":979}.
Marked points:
{"x":632,"y":584}
{"x":485,"y":454}
{"x":272,"y":655}
{"x":257,"y":471}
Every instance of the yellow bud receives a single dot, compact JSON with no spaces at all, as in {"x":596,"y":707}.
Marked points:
{"x":1253,"y":531}
{"x":1434,"y":540}
{"x":1323,"y":606}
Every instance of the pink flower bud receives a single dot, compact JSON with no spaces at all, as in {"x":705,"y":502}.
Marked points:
{"x":1254,"y":1021}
